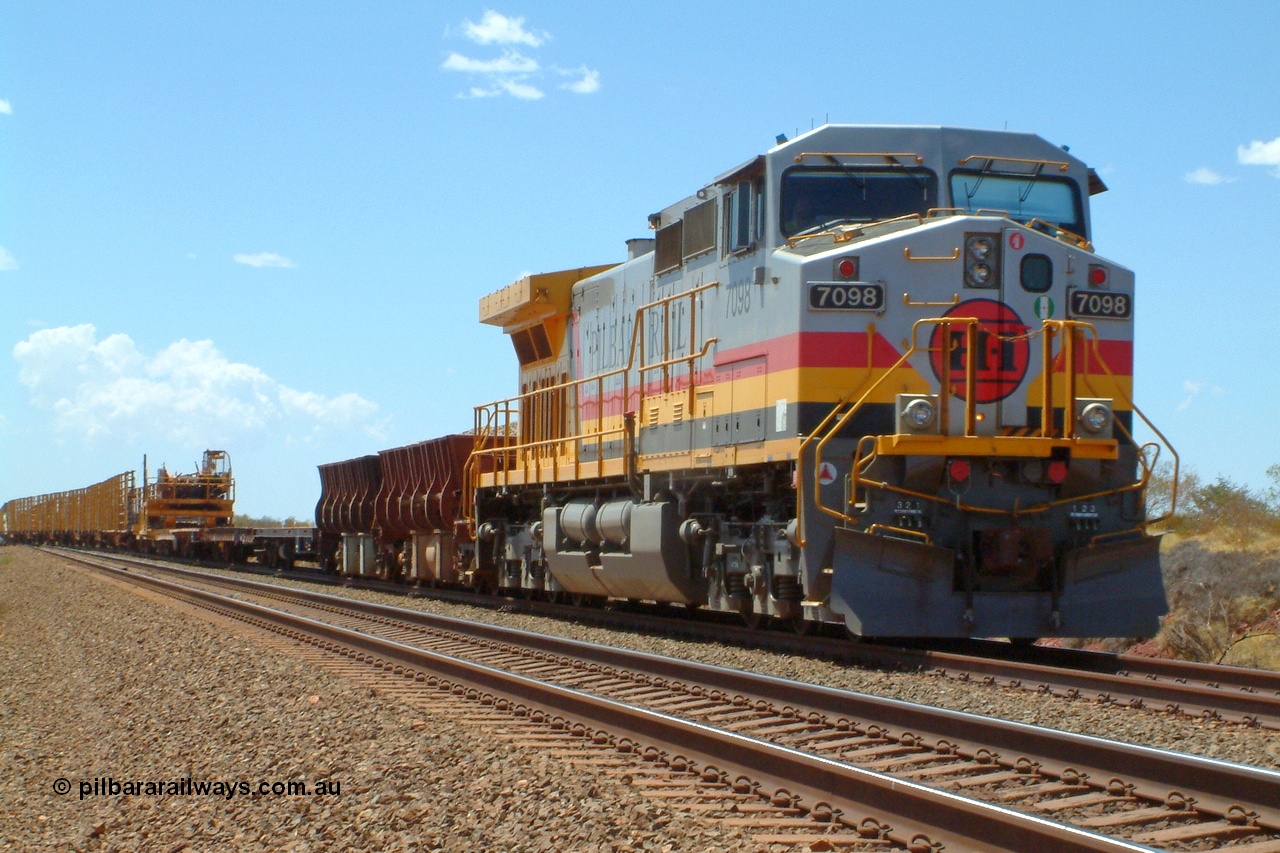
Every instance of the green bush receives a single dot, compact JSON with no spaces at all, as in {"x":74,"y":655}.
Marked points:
{"x":267,"y":521}
{"x":1222,"y":569}
{"x":1234,"y":512}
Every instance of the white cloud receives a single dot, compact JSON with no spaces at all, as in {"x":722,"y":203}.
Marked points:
{"x":1207,"y":176}
{"x":588,"y":80}
{"x":7,"y":263}
{"x":264,"y":259}
{"x":513,"y":74}
{"x":496,"y":28}
{"x":511,"y":62}
{"x":523,"y":91}
{"x":6,"y":108}
{"x":1193,"y":387}
{"x":1258,"y":153}
{"x":516,"y":89}
{"x":506,"y":75}
{"x":188,"y":392}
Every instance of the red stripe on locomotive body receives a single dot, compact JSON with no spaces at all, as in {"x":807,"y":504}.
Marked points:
{"x":1118,"y":356}
{"x":787,"y":352}
{"x":816,"y":349}
{"x":829,"y":350}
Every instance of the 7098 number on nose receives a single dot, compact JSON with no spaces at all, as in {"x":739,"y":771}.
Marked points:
{"x":1091,"y":303}
{"x":839,"y":296}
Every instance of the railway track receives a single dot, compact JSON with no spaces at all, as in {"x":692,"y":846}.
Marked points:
{"x":833,"y":767}
{"x":1230,"y":694}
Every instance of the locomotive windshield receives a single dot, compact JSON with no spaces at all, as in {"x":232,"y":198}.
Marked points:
{"x":1023,"y":197}
{"x":813,"y":198}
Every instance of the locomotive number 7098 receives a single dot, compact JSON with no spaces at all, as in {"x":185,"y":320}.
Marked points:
{"x":838,"y":296}
{"x":1108,"y":306}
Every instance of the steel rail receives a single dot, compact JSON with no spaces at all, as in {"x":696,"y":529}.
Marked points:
{"x":952,"y":821}
{"x":1234,"y":694}
{"x":1252,"y":696}
{"x":1217,"y":786}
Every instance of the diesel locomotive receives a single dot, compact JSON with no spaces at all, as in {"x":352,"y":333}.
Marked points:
{"x":875,"y":376}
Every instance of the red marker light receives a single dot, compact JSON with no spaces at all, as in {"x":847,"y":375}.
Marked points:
{"x":1097,"y":276}
{"x":959,"y":470}
{"x":847,"y":268}
{"x":1057,"y":472}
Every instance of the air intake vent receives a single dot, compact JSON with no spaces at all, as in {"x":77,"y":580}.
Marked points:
{"x":666,"y":254}
{"x":700,"y":229}
{"x":531,"y":344}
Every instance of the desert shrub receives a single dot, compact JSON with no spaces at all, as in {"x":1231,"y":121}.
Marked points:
{"x":1215,"y":596}
{"x":266,"y":521}
{"x":1234,"y":513}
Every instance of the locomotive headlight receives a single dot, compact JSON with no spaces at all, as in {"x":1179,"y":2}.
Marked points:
{"x":918,"y":414}
{"x":980,"y":248}
{"x":981,"y":260}
{"x":980,"y":274}
{"x":1094,"y":416}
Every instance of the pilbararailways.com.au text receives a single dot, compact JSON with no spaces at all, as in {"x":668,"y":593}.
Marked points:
{"x":107,"y":786}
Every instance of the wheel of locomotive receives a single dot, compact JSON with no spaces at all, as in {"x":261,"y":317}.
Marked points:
{"x":802,"y":626}
{"x":667,"y":609}
{"x":753,"y":619}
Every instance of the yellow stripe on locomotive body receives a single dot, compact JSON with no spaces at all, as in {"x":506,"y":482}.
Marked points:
{"x":871,"y":366}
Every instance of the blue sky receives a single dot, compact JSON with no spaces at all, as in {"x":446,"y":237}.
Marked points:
{"x":266,"y":227}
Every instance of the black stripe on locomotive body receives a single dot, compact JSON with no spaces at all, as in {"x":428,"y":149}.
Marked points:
{"x":744,"y":428}
{"x":873,"y":419}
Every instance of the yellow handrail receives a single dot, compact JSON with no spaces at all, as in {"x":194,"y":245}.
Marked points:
{"x":889,"y":157}
{"x":539,"y":449}
{"x":1070,"y":332}
{"x":992,"y":158}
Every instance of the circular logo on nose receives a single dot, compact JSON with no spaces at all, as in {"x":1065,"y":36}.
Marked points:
{"x":1000,"y":351}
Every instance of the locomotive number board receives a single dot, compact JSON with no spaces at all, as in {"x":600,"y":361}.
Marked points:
{"x":842,"y":296}
{"x":1100,"y":305}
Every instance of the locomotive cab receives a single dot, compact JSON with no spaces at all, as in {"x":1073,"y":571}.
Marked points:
{"x":993,"y":479}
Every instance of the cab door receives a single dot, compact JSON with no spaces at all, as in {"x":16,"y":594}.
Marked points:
{"x":1030,"y":271}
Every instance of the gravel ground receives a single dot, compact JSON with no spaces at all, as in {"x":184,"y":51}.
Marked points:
{"x":1224,"y":741}
{"x":100,"y":684}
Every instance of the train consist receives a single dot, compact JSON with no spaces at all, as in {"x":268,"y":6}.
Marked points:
{"x":875,"y":376}
{"x":172,"y":514}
